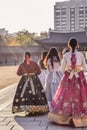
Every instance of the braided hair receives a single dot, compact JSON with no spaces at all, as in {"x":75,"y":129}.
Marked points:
{"x":72,"y":44}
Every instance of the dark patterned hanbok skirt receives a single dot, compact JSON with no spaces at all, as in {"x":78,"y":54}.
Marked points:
{"x":30,"y":96}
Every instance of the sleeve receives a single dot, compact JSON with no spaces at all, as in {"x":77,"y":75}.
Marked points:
{"x":84,"y":63}
{"x":37,"y":69}
{"x":40,"y":64}
{"x":48,"y":65}
{"x":63,"y":65}
{"x":48,"y":90}
{"x":20,"y":70}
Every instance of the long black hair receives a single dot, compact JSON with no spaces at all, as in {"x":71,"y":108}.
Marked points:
{"x":72,"y":44}
{"x":41,"y":62}
{"x":53,"y":52}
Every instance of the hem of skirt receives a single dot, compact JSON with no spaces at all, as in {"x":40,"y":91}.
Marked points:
{"x":59,"y":119}
{"x":80,"y":122}
{"x":30,"y":109}
{"x":65,"y":120}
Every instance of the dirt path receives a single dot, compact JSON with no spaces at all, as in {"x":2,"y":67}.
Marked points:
{"x":8,"y":76}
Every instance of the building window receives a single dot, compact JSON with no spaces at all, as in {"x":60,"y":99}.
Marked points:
{"x":81,"y":12}
{"x":63,"y":13}
{"x":57,"y":13}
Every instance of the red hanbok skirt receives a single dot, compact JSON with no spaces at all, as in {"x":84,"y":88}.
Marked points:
{"x":70,"y":101}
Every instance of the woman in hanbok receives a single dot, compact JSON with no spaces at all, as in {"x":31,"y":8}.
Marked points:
{"x":30,"y":95}
{"x":52,"y":62}
{"x":70,"y":101}
{"x":43,"y":75}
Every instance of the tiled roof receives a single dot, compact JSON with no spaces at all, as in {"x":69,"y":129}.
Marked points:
{"x":62,"y":38}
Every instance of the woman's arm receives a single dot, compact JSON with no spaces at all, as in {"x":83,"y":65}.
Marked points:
{"x":20,"y":70}
{"x":37,"y":69}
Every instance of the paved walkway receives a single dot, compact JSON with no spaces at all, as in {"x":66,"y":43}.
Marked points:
{"x":9,"y":121}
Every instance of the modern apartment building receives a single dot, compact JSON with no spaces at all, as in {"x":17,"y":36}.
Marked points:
{"x":70,"y":15}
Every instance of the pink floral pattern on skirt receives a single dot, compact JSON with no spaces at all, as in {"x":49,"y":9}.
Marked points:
{"x":71,"y":96}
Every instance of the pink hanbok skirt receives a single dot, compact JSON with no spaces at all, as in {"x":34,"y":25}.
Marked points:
{"x":70,"y":101}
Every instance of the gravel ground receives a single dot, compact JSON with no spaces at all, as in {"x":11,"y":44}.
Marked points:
{"x":8,"y":76}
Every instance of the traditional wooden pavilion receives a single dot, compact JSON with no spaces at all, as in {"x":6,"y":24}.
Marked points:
{"x":13,"y":55}
{"x":60,"y":39}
